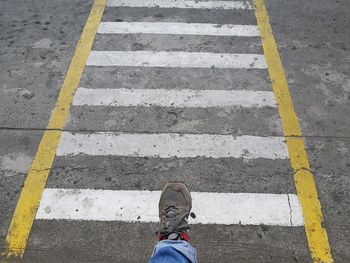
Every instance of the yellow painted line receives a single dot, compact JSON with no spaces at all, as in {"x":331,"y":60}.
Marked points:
{"x":23,"y":217}
{"x":304,"y":180}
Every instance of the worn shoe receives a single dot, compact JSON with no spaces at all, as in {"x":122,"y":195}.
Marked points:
{"x":174,"y":208}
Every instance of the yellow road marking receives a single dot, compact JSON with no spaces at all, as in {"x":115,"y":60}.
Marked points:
{"x":304,"y":180}
{"x":23,"y":217}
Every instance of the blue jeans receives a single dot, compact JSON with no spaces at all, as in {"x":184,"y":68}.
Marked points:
{"x":174,"y":251}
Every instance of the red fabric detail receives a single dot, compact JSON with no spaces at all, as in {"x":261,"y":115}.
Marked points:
{"x":183,"y":235}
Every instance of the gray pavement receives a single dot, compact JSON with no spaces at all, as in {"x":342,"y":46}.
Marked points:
{"x":315,"y":53}
{"x":37,"y":42}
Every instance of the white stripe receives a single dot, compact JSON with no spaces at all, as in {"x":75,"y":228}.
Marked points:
{"x":175,"y":59}
{"x":173,"y":98}
{"x":177,"y":29}
{"x":142,"y":206}
{"x":181,"y":4}
{"x":172,"y":145}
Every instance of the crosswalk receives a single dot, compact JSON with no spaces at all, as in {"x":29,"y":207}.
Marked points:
{"x":177,"y":29}
{"x":173,"y":98}
{"x":109,"y":85}
{"x":174,"y":59}
{"x":181,"y":4}
{"x":101,"y":205}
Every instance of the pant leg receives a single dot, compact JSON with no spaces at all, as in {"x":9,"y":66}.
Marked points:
{"x":174,"y":251}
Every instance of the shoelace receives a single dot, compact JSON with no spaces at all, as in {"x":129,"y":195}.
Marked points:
{"x":171,"y":213}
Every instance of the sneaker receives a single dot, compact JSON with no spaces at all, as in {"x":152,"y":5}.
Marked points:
{"x":174,"y":208}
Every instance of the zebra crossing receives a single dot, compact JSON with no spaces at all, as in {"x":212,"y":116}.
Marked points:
{"x":182,"y":4}
{"x":109,"y":87}
{"x":173,"y":98}
{"x":177,"y":29}
{"x":253,"y":209}
{"x":174,"y":59}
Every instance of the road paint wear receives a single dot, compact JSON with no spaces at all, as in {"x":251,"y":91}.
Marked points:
{"x":177,"y":29}
{"x":179,"y":98}
{"x":169,"y":145}
{"x":181,"y":4}
{"x":142,"y":206}
{"x":303,"y":177}
{"x":175,"y":59}
{"x":23,"y":217}
{"x":286,"y":209}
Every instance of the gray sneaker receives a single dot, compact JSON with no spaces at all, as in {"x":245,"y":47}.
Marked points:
{"x":174,"y":208}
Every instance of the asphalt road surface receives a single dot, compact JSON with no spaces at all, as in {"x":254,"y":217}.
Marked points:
{"x":174,"y":90}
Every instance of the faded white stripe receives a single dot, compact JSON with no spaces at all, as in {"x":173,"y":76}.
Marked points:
{"x":181,"y":4}
{"x":141,"y":206}
{"x":177,"y":29}
{"x":181,"y":98}
{"x":168,"y":145}
{"x":175,"y":59}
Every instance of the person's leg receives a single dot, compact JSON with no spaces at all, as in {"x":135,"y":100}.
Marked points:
{"x":174,"y":208}
{"x":172,"y":251}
